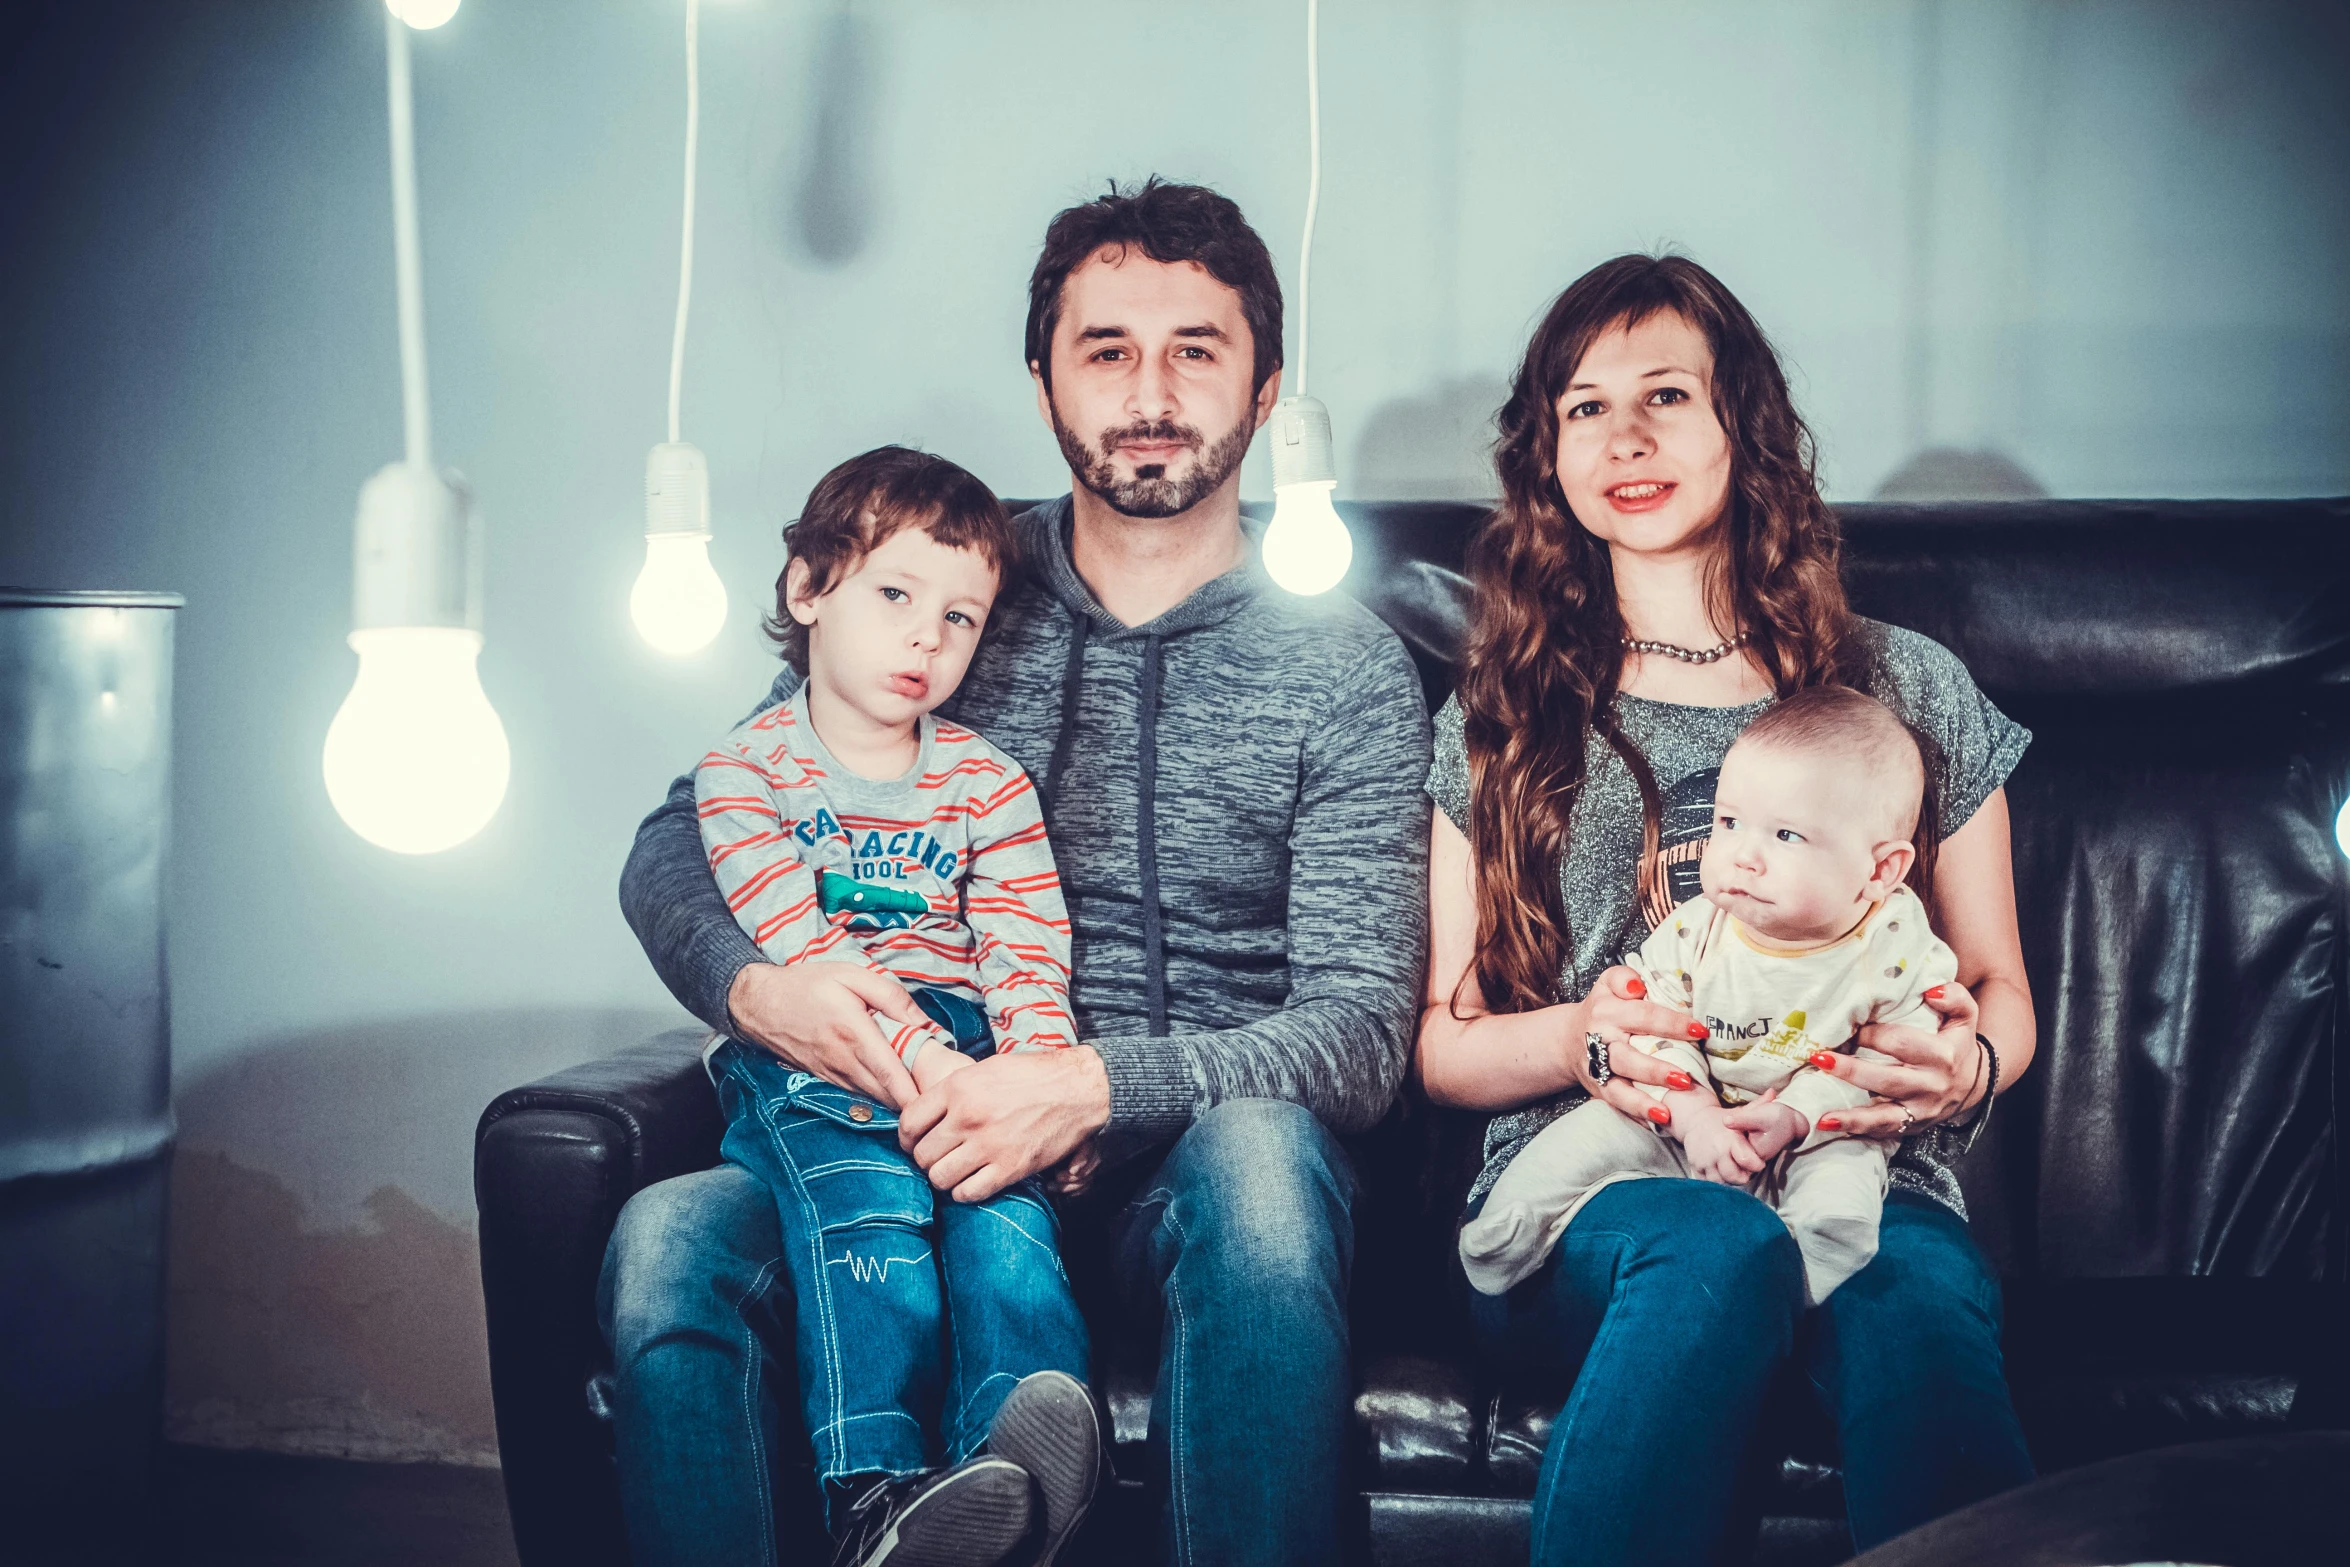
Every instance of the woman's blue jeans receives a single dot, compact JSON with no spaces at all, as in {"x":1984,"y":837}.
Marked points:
{"x":885,"y":1271}
{"x":1673,"y":1303}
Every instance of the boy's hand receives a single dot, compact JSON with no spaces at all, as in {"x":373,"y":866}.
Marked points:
{"x":1717,"y":1151}
{"x":1074,"y":1174}
{"x":1770,"y":1127}
{"x":934,"y":1063}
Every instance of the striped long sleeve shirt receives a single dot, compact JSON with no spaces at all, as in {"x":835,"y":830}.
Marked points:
{"x":942,"y":877}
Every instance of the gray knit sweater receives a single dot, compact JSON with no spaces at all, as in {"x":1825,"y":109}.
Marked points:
{"x":1234,"y":792}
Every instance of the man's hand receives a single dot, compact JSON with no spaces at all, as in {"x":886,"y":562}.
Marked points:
{"x":1014,"y":1114}
{"x":1717,"y":1151}
{"x":818,"y":1017}
{"x":1770,"y":1127}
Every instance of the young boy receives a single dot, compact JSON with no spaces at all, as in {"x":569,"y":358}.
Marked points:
{"x":1803,"y":934}
{"x":848,"y":824}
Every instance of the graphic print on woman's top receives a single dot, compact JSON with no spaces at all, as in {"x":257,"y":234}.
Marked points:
{"x":941,"y":877}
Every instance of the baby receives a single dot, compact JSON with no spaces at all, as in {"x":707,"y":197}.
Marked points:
{"x":847,"y":824}
{"x":1804,"y":933}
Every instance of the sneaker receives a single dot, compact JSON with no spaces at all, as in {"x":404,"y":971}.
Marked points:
{"x":1048,"y":1427}
{"x":969,"y":1516}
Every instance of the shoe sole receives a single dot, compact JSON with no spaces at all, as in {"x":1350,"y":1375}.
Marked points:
{"x":1048,"y":1427}
{"x":973,"y":1518}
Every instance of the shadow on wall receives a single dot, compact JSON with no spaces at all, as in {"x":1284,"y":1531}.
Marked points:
{"x":836,"y":197}
{"x":1434,"y":447}
{"x":325,"y":1287}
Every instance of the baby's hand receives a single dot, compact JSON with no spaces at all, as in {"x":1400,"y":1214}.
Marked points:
{"x":934,"y":1064}
{"x":1769,"y":1126}
{"x":1717,"y":1150}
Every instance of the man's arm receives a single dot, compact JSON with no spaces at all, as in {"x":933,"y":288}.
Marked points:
{"x":1358,"y":911}
{"x":671,"y":901}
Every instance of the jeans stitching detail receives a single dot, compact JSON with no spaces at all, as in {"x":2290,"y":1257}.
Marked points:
{"x":1178,"y":1502}
{"x":752,"y":1360}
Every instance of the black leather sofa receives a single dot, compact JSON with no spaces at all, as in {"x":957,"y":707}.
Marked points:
{"x":2163,"y":1194}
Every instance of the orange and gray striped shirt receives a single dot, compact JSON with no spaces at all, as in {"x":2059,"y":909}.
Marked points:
{"x":941,"y":877}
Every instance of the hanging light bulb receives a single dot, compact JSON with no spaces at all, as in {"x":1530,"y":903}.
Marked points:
{"x":423,"y":15}
{"x":678,"y":603}
{"x":1307,"y":548}
{"x":415,"y":760}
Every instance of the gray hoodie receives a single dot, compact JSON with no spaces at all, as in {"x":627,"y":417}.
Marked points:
{"x":1234,"y":795}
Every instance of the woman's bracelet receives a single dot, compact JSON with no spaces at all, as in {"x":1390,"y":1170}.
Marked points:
{"x":1981,"y":1118}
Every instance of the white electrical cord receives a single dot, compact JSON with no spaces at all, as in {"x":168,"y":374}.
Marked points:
{"x":415,"y":408}
{"x":685,"y":259}
{"x":1305,"y":249}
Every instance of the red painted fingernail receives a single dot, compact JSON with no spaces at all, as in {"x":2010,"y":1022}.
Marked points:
{"x":1823,"y":1059}
{"x":1660,"y":1115}
{"x":1681,"y":1080}
{"x":1831,"y":1123}
{"x":1697,"y":1031}
{"x":1634,"y":988}
{"x":1935,"y":994}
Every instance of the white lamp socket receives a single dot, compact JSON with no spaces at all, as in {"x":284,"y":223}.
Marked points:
{"x":677,"y":490}
{"x":416,"y":552}
{"x":1299,"y":433}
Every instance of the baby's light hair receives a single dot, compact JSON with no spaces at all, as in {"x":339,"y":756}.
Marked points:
{"x":1848,"y":726}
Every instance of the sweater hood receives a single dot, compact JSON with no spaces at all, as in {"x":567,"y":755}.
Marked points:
{"x":1045,"y":531}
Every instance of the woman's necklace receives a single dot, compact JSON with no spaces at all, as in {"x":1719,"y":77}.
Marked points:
{"x":1689,"y":655}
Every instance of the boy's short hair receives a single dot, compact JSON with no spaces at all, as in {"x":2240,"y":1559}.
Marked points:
{"x":1853,"y":727}
{"x":1167,"y":222}
{"x":856,"y":507}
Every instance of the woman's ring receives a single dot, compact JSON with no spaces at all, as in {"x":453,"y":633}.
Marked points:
{"x":1595,"y":1052}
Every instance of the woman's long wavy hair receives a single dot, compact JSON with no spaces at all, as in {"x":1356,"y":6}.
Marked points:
{"x":1545,"y":641}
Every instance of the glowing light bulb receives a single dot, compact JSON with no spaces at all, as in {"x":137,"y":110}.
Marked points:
{"x":416,"y":760}
{"x":1307,"y":548}
{"x":2342,"y":828}
{"x":678,"y":602}
{"x":423,"y":15}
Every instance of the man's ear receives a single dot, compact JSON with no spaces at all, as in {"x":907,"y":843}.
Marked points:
{"x":796,"y":597}
{"x":1267,"y":396}
{"x":1894,"y":858}
{"x":1044,"y":396}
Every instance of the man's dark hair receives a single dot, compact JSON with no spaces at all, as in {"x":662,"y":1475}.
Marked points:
{"x":856,"y":508}
{"x":1168,"y":223}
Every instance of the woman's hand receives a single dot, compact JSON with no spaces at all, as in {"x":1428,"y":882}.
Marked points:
{"x":1933,"y":1076}
{"x":1617,"y":1008}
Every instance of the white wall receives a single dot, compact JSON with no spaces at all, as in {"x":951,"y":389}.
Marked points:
{"x":2105,"y":241}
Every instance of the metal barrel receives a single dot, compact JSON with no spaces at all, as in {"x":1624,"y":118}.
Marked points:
{"x":85,"y":1063}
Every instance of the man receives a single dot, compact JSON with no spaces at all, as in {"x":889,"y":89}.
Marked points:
{"x":1232,"y":777}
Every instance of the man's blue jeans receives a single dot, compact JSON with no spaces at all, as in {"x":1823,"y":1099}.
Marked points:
{"x":882,"y":1268}
{"x":1673,"y":1303}
{"x":1240,"y":1242}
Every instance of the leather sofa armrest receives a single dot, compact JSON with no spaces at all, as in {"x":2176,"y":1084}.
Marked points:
{"x":553,"y":1163}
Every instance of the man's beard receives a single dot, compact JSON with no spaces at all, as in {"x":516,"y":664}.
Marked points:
{"x":1158,"y":494}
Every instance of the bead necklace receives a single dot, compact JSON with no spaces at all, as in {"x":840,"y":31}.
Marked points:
{"x":1689,"y":655}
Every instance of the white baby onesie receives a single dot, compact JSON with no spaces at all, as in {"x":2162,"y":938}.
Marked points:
{"x":1769,"y":1008}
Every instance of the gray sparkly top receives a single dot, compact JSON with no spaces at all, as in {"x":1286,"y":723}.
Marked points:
{"x":1915,"y":676}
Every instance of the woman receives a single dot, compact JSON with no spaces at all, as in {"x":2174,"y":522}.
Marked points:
{"x":1660,"y":568}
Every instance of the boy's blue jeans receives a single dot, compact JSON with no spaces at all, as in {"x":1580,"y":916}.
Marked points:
{"x":887,"y":1272}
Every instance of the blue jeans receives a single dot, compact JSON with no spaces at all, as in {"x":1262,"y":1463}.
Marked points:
{"x":883,"y":1272}
{"x":1240,"y":1241}
{"x":1673,"y":1303}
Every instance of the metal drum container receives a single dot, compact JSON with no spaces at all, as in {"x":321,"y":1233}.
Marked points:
{"x":85,"y":1064}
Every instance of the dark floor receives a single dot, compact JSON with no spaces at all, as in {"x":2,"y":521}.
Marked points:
{"x":227,"y":1509}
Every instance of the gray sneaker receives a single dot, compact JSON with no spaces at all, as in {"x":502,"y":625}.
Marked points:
{"x":1048,"y":1427}
{"x":969,"y":1516}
